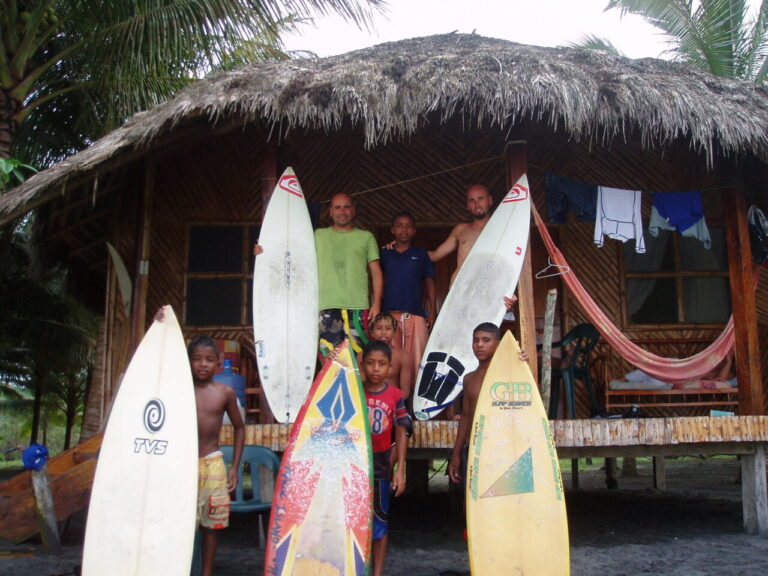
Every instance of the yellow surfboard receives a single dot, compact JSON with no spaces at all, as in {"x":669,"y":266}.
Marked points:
{"x":516,"y":520}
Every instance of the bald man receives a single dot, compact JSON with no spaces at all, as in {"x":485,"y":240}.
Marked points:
{"x":463,"y":235}
{"x":346,"y":257}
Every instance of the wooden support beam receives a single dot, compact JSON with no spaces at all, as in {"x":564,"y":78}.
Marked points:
{"x":659,"y":473}
{"x":754,"y":492}
{"x":44,"y":511}
{"x":141,"y":275}
{"x":743,"y":304}
{"x":517,"y":165}
{"x":269,"y":176}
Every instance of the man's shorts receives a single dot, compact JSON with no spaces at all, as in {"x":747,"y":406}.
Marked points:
{"x":212,"y":497}
{"x":380,"y":508}
{"x":336,"y":324}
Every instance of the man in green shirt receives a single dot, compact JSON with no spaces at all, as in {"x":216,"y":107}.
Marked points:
{"x":346,"y":257}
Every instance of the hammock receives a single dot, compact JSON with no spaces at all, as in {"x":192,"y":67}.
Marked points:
{"x":666,"y":369}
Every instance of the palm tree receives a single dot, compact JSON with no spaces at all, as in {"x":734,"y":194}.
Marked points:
{"x":71,"y":70}
{"x":718,"y":36}
{"x":46,"y":336}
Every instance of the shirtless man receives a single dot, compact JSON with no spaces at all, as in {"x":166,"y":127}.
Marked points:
{"x":213,"y":399}
{"x":463,"y":235}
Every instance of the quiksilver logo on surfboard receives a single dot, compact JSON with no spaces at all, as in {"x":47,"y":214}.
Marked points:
{"x":517,"y":194}
{"x":291,"y":185}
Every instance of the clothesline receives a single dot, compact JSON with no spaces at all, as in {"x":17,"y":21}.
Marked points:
{"x":666,"y":369}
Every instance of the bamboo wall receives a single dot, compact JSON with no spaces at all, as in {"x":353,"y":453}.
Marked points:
{"x":218,"y":178}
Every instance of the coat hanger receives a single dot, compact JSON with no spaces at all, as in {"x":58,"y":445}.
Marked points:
{"x":551,"y":270}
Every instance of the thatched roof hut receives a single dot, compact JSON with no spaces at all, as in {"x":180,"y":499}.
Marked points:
{"x":406,"y":125}
{"x":391,"y":91}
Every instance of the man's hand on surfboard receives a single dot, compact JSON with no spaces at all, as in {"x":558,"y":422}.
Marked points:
{"x":510,"y":301}
{"x":258,"y":249}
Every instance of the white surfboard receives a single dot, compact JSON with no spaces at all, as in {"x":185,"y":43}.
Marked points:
{"x":285,"y":300}
{"x":489,"y":273}
{"x":141,"y":517}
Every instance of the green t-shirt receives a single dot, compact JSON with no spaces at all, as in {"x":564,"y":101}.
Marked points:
{"x":342,"y":266}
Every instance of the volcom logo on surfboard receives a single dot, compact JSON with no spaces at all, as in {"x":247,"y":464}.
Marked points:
{"x":291,"y":185}
{"x":517,"y":194}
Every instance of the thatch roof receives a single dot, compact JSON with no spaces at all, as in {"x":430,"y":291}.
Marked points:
{"x":392,"y":89}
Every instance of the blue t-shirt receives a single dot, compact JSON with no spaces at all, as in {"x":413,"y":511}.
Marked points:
{"x":404,"y":275}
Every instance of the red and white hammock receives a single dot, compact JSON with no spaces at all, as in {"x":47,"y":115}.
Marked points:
{"x":666,"y":369}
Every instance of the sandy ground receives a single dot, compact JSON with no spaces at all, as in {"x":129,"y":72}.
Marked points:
{"x":692,"y":529}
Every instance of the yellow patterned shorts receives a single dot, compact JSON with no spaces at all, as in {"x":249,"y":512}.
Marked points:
{"x":212,"y":497}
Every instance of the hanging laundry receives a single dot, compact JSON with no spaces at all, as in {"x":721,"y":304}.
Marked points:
{"x":564,"y":194}
{"x":618,"y":216}
{"x":682,"y":211}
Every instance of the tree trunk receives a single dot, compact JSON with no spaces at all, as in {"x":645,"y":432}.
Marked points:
{"x":9,"y":107}
{"x":37,"y":409}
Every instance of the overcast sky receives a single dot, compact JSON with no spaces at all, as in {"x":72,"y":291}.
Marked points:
{"x":538,"y":22}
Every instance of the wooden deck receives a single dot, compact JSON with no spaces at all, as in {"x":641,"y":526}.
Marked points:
{"x":746,"y":436}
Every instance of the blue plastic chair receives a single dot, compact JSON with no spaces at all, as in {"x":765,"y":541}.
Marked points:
{"x":256,"y":458}
{"x":582,"y":339}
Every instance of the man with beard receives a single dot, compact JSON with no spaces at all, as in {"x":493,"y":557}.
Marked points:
{"x":463,"y":235}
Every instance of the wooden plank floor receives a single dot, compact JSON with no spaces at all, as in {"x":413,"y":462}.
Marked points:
{"x":570,"y":434}
{"x":657,"y":437}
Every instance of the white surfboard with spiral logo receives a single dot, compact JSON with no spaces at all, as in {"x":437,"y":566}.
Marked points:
{"x":141,"y":518}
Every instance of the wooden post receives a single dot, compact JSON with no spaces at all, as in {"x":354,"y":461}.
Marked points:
{"x":44,"y":511}
{"x":754,"y":492}
{"x":269,"y":176}
{"x":546,"y":352}
{"x":659,"y":473}
{"x":141,"y":275}
{"x":517,"y":165}
{"x":743,"y":305}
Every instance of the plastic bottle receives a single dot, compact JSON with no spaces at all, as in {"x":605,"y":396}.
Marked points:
{"x":233,"y":379}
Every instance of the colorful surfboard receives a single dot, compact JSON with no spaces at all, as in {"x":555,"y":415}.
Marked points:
{"x":141,"y":517}
{"x":285,"y":300}
{"x":322,"y":506}
{"x":516,"y":518}
{"x":490,"y":271}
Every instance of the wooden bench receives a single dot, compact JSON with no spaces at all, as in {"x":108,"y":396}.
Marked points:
{"x":660,"y":403}
{"x":694,"y":401}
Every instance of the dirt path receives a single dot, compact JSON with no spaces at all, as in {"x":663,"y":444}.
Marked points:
{"x":693,"y":529}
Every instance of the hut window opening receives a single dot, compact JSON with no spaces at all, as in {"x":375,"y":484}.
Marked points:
{"x":218,"y":275}
{"x":677,"y":280}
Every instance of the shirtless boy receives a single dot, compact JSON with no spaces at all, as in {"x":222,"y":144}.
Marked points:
{"x":400,"y":373}
{"x":214,"y":483}
{"x":485,"y":340}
